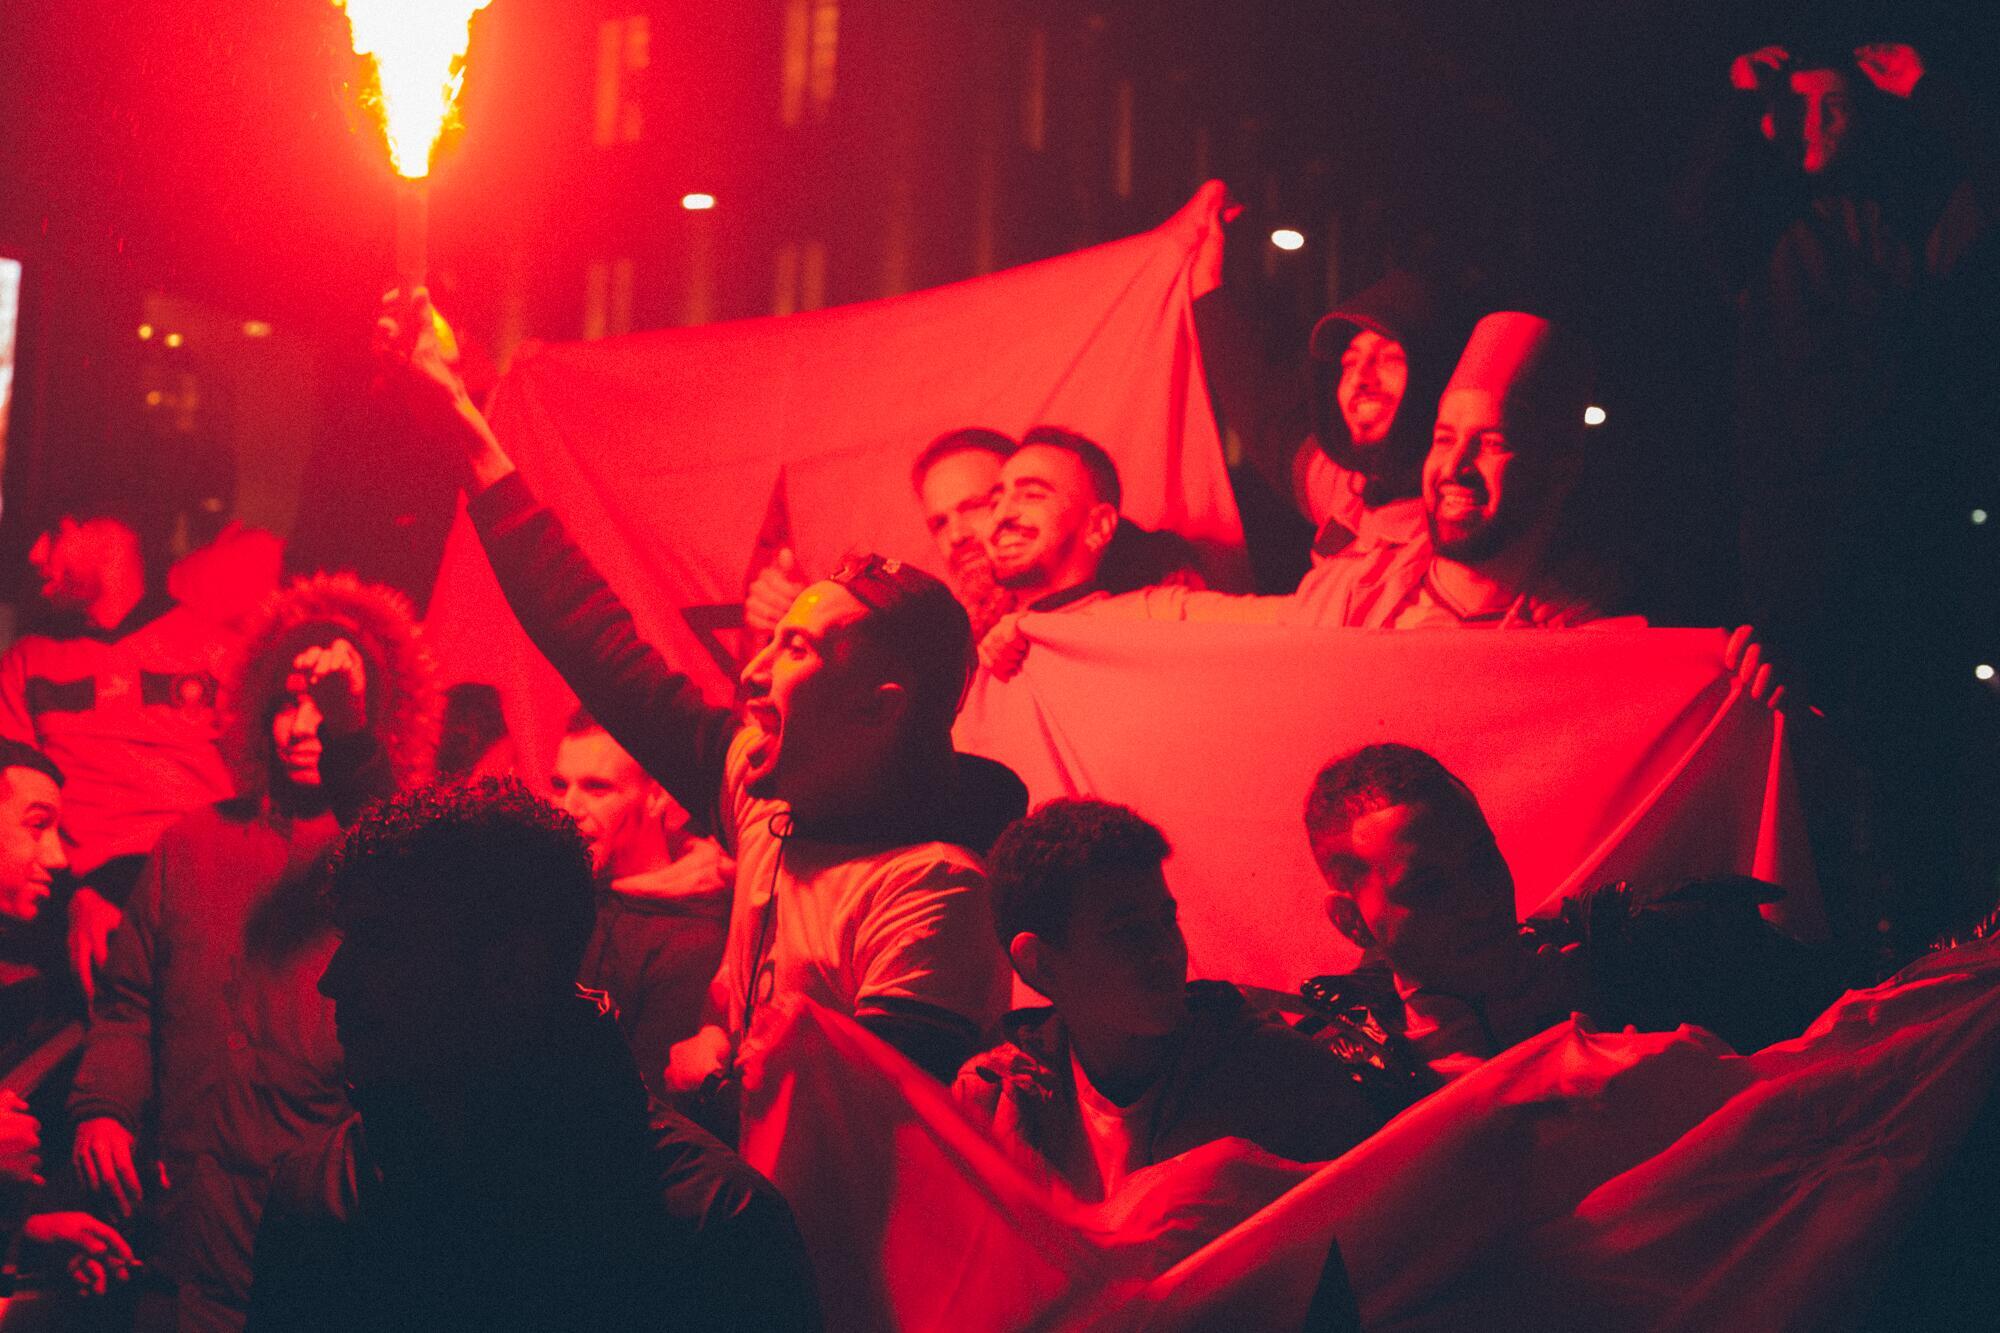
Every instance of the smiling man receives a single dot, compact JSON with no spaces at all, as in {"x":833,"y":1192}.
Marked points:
{"x":855,"y":824}
{"x":31,"y":850}
{"x":1506,"y":452}
{"x":31,"y":855}
{"x":1054,"y":518}
{"x":1380,"y":359}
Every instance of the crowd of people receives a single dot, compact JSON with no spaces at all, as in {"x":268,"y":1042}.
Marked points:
{"x":381,"y":1031}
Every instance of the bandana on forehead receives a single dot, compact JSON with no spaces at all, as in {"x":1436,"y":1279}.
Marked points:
{"x":874,"y":581}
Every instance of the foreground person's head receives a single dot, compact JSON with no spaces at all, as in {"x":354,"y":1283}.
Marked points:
{"x":853,"y":698}
{"x":31,"y":849}
{"x":463,"y":911}
{"x":1411,"y":866}
{"x":1084,"y":912}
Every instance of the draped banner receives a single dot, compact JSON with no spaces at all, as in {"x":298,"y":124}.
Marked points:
{"x":1596,"y":754}
{"x":1579,"y":1181}
{"x":667,"y":452}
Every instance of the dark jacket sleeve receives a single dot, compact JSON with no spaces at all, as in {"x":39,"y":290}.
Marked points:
{"x":749,"y":1264}
{"x":116,"y":1076}
{"x":669,"y":990}
{"x":587,"y":634}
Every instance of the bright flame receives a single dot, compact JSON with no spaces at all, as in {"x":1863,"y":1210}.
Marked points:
{"x":1285,"y":238}
{"x":418,"y":48}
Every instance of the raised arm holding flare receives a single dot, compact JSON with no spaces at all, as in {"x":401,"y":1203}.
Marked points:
{"x":838,"y":790}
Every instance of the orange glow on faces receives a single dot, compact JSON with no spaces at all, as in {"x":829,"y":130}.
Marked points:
{"x":418,"y":49}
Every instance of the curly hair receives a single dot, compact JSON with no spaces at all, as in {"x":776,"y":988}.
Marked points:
{"x":1377,"y":776}
{"x":491,"y":855}
{"x":404,"y":704}
{"x":1040,"y":860}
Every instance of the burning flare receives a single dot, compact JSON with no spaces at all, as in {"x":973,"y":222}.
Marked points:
{"x":418,"y":49}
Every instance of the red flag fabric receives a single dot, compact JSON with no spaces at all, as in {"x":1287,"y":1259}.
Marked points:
{"x":663,"y":451}
{"x":1580,"y":1180}
{"x":1596,"y":754}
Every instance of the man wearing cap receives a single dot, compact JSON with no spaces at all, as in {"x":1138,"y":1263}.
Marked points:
{"x":855,"y":824}
{"x":1506,"y":452}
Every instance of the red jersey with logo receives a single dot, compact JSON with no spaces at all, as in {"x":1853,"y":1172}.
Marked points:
{"x":129,"y":714}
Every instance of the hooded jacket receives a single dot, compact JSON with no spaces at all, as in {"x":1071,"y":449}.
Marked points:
{"x":1405,"y":309}
{"x":208,"y":1027}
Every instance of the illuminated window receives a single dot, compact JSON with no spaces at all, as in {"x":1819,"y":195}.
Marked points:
{"x":800,"y":279}
{"x":10,"y":312}
{"x":1121,"y":142}
{"x":624,"y":51}
{"x":812,"y":276}
{"x":1035,"y":92}
{"x":811,"y":56}
{"x":785,"y":280}
{"x":607,"y":298}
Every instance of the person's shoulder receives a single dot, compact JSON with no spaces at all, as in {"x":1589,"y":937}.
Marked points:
{"x":925,"y":868}
{"x":204,"y":823}
{"x":703,"y":1182}
{"x":320,"y":1180}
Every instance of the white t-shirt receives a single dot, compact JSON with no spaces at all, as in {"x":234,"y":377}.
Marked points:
{"x":1120,"y":1138}
{"x":842,"y":924}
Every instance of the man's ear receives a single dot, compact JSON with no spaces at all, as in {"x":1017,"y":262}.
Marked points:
{"x":1100,"y":526}
{"x":658,"y":803}
{"x":885,"y":703}
{"x":1027,"y":953}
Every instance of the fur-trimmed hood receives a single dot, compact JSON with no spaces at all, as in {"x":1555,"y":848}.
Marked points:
{"x":405,"y":705}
